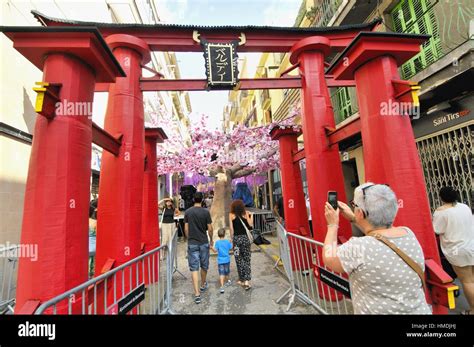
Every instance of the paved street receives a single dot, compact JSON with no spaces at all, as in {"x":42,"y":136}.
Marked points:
{"x":268,"y":284}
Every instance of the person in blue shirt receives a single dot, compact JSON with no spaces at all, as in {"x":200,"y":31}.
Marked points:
{"x":222,"y":247}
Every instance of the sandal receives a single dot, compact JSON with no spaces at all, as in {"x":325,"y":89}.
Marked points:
{"x":203,"y":287}
{"x":197,"y":299}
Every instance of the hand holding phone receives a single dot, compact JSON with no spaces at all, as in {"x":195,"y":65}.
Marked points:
{"x":332,"y":199}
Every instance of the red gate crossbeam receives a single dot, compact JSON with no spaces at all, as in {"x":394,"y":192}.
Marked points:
{"x":179,"y":38}
{"x":332,"y":83}
{"x":154,"y":84}
{"x":255,"y":42}
{"x":347,"y":130}
{"x":334,"y":136}
{"x":291,"y":68}
{"x":299,"y":155}
{"x":105,"y":140}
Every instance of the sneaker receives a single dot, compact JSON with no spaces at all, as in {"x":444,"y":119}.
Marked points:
{"x":203,"y":287}
{"x":221,"y":290}
{"x":228,"y":283}
{"x":197,"y":299}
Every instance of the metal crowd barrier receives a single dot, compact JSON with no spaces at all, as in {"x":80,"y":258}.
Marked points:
{"x":174,"y":247}
{"x":8,"y":276}
{"x":311,"y":282}
{"x":142,"y":285}
{"x":263,"y":220}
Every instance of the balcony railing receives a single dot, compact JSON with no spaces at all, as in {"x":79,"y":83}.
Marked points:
{"x":265,"y":96}
{"x":446,"y":21}
{"x":323,"y":12}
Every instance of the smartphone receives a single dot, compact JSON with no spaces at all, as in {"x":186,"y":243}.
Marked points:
{"x":332,"y":199}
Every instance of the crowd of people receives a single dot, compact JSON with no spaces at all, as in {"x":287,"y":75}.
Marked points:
{"x":385,"y":266}
{"x":199,"y":234}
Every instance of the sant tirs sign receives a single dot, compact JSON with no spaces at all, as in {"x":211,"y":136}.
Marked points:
{"x":221,"y":62}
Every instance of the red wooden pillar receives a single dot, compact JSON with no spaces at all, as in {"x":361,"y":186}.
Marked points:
{"x":294,"y":203}
{"x":119,"y":218}
{"x":150,"y":237}
{"x":390,"y":152}
{"x":323,"y":164}
{"x":55,"y":216}
{"x":150,"y":230}
{"x":296,"y":217}
{"x":119,"y":215}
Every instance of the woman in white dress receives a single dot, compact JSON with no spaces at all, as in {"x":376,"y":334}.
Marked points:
{"x":453,"y":222}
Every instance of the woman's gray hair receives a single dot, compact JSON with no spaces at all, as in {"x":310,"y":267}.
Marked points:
{"x":379,"y":204}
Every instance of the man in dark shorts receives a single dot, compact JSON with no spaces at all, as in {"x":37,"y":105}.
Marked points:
{"x":197,"y":227}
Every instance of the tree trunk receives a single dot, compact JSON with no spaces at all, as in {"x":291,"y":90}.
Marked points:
{"x":221,"y":204}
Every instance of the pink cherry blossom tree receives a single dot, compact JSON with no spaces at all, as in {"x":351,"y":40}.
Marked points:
{"x":225,"y":156}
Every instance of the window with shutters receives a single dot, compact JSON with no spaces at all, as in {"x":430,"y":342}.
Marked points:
{"x":344,"y":103}
{"x":418,"y":17}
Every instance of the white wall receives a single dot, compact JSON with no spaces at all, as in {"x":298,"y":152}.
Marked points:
{"x":17,"y":98}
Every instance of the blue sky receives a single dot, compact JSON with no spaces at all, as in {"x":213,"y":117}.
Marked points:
{"x":221,"y":12}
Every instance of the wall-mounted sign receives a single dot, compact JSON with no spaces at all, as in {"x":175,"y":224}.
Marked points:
{"x":449,"y":117}
{"x":441,"y":120}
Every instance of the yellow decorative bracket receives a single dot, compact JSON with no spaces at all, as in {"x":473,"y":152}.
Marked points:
{"x":414,"y":95}
{"x":451,"y":298}
{"x":46,"y":98}
{"x":406,"y":91}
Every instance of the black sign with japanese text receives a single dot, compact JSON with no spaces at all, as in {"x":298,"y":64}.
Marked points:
{"x":221,"y":64}
{"x":129,"y":301}
{"x":334,"y":281}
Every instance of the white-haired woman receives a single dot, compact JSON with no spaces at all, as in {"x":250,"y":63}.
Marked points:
{"x":381,"y":281}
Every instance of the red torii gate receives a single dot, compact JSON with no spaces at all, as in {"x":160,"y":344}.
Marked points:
{"x":77,"y":61}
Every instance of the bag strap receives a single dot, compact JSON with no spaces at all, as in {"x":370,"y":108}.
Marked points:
{"x":249,"y":235}
{"x":409,"y":261}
